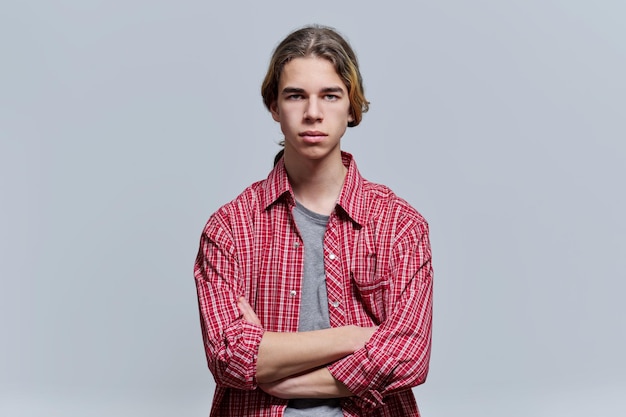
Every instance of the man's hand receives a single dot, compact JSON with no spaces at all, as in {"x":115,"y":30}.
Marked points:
{"x":248,"y":313}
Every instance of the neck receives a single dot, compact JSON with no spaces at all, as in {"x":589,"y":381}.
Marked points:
{"x":316,"y":183}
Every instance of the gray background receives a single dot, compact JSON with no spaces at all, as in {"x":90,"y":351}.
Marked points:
{"x":125,"y":124}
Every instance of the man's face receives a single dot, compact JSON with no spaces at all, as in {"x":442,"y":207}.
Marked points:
{"x":312,"y":107}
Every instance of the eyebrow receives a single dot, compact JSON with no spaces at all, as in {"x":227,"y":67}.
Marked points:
{"x":289,"y":90}
{"x":332,"y":90}
{"x":292,"y":90}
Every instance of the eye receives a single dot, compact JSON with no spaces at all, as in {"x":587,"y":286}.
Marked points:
{"x":331,"y":97}
{"x":294,"y":97}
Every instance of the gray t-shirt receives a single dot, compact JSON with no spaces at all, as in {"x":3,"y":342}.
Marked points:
{"x":314,"y":303}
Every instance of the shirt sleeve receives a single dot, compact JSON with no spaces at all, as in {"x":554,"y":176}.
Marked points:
{"x":397,"y":356}
{"x":231,"y":344}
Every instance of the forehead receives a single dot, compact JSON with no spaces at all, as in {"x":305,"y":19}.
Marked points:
{"x":310,"y":71}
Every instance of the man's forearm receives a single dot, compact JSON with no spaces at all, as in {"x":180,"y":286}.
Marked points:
{"x":284,"y":354}
{"x":318,"y":383}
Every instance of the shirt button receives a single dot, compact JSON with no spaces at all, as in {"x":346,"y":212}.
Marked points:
{"x":335,"y":304}
{"x":292,"y":293}
{"x":332,"y":256}
{"x":296,"y":245}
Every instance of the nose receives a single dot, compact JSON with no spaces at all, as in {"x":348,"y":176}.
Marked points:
{"x":313,"y":110}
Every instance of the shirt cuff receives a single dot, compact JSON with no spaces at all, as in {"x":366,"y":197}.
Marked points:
{"x":241,"y":343}
{"x":365,"y":373}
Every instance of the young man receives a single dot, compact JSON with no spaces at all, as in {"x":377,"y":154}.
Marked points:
{"x":315,"y":285}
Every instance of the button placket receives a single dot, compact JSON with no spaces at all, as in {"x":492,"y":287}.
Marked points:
{"x":334,"y":273}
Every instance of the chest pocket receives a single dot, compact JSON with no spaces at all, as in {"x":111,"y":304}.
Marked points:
{"x":368,"y":277}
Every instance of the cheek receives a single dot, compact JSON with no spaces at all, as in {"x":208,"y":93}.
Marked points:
{"x":348,"y":112}
{"x":291,"y":113}
{"x":288,"y":120}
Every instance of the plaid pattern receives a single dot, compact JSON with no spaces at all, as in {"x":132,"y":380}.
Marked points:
{"x":378,"y":267}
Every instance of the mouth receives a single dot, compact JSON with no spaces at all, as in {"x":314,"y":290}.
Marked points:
{"x":312,"y":136}
{"x":312,"y":133}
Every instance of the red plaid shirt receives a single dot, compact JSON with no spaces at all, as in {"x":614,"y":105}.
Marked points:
{"x":378,"y":272}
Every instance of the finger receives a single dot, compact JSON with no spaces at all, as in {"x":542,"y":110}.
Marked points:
{"x":248,"y":313}
{"x":243,"y":306}
{"x":243,"y":303}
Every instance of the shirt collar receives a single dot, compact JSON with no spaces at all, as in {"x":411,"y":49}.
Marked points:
{"x":351,"y":198}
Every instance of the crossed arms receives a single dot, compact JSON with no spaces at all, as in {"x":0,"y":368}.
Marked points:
{"x":291,"y":365}
{"x":366,"y":363}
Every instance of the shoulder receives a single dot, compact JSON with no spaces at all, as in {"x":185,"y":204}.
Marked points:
{"x":240,"y":210}
{"x":388,"y":209}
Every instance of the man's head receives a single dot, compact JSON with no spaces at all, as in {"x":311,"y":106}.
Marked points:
{"x":320,"y":42}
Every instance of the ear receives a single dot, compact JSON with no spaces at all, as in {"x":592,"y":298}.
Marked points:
{"x":274,"y":111}
{"x":350,"y":116}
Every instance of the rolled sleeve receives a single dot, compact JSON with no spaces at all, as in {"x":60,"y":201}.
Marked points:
{"x":364,"y":373}
{"x":397,"y":356}
{"x":231,"y":344}
{"x":234,"y":365}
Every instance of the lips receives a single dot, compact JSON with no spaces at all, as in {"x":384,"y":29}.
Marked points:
{"x":312,"y":136}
